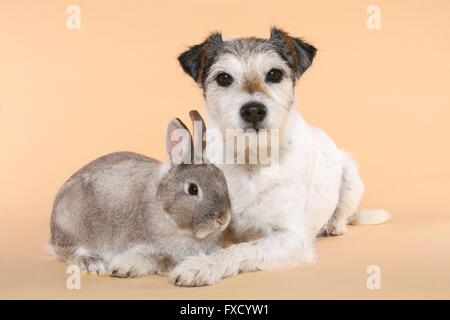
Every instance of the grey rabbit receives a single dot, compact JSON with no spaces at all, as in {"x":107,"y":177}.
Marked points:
{"x":128,"y":215}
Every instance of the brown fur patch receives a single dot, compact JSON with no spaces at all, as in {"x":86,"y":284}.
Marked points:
{"x":251,"y":234}
{"x":202,"y":63}
{"x":288,"y":40}
{"x":253,"y":84}
{"x":230,"y":236}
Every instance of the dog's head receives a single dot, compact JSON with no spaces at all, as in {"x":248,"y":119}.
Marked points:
{"x":248,"y":82}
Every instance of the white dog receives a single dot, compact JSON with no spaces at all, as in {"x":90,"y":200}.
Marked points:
{"x":248,"y":83}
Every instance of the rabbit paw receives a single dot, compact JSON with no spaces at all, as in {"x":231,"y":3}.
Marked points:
{"x":130,"y":267}
{"x":91,"y":264}
{"x":196,"y":271}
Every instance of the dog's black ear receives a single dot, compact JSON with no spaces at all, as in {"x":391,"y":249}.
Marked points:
{"x":197,"y":60}
{"x":298,"y":53}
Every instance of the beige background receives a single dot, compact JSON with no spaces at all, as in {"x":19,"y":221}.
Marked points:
{"x":67,"y":97}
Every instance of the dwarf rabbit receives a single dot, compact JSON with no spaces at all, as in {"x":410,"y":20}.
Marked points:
{"x":128,"y":215}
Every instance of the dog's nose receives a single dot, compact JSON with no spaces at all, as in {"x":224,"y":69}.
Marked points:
{"x":253,"y":112}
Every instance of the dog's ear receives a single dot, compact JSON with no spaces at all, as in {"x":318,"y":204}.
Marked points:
{"x":298,"y":53}
{"x":197,"y":60}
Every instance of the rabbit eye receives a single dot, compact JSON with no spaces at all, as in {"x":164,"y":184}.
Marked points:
{"x":192,"y":189}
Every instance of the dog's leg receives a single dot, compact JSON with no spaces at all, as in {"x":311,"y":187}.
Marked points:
{"x":288,"y":244}
{"x":277,"y":250}
{"x":350,"y":194}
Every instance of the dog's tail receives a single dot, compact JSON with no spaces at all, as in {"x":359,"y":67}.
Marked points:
{"x":367,"y":217}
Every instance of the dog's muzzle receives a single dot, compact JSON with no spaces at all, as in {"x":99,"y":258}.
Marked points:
{"x":253,"y":112}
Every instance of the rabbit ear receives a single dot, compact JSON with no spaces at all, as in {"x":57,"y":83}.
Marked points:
{"x":178,"y":142}
{"x":199,"y":129}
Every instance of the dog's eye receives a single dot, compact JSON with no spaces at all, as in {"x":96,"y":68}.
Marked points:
{"x":224,"y":79}
{"x":274,"y":76}
{"x":192,"y":189}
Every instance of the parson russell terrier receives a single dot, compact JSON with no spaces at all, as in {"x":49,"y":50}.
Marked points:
{"x":248,"y":83}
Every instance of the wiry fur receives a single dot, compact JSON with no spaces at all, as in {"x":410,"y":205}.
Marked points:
{"x":317,"y":187}
{"x":129,"y":215}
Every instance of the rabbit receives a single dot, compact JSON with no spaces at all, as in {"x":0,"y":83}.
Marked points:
{"x":128,"y":215}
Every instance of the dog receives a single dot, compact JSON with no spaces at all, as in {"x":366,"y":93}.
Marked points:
{"x":248,"y":83}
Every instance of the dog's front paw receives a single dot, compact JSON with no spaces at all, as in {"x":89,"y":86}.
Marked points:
{"x":333,"y":228}
{"x":196,"y":271}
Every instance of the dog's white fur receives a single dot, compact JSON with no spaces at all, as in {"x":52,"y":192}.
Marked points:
{"x":317,"y":187}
